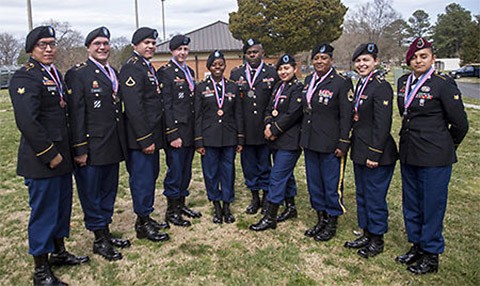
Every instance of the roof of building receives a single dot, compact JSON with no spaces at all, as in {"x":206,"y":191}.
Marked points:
{"x":208,"y":38}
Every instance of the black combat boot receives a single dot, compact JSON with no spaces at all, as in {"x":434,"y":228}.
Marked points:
{"x":264,"y":203}
{"x":290,"y":210}
{"x":374,"y":246}
{"x":255,"y":203}
{"x":360,"y":242}
{"x":188,"y":211}
{"x":43,"y":275}
{"x":103,"y":246}
{"x":62,"y":257}
{"x":412,"y":255}
{"x":217,"y":213}
{"x":145,"y":229}
{"x":269,"y":220}
{"x":311,"y":232}
{"x":427,"y":263}
{"x":115,"y":241}
{"x":330,"y":229}
{"x":173,"y":214}
{"x":227,"y":214}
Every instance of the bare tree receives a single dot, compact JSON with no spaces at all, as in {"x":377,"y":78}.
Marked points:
{"x":121,"y":50}
{"x":9,"y":49}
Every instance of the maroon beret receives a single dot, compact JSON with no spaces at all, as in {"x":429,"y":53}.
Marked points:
{"x":418,"y":44}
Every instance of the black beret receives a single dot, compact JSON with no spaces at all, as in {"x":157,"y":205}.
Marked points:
{"x":177,"y":41}
{"x":213,"y":56}
{"x":144,"y":33}
{"x":324,"y":49}
{"x":98,"y":32}
{"x":365,"y":49}
{"x":250,"y":43}
{"x":286,"y":59}
{"x":37,"y":34}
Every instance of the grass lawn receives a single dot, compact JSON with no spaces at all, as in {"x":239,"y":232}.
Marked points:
{"x":208,"y":254}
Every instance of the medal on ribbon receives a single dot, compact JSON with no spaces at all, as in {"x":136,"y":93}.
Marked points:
{"x":313,"y":86}
{"x":249,"y":79}
{"x":360,"y":92}
{"x":58,"y":83}
{"x":110,"y":74}
{"x":186,"y":72}
{"x":410,"y":96}
{"x":277,"y":99}
{"x":220,"y":99}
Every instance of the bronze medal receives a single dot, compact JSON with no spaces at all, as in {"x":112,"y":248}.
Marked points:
{"x":220,"y":112}
{"x":274,"y":113}
{"x":356,"y":117}
{"x":62,"y":103}
{"x":251,"y":93}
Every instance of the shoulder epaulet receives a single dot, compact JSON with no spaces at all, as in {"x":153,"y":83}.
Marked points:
{"x":28,"y":66}
{"x":165,"y":66}
{"x":237,"y":68}
{"x":442,"y":76}
{"x":229,"y":80}
{"x":80,"y":66}
{"x":133,"y":60}
{"x":341,"y":76}
{"x":380,"y":78}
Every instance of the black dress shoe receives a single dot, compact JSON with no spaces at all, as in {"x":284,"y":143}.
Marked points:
{"x":329,"y":231}
{"x":145,"y":230}
{"x":428,"y":263}
{"x":288,"y":213}
{"x":158,"y":225}
{"x":115,"y":241}
{"x":269,"y":220}
{"x":311,"y":232}
{"x":264,"y":203}
{"x":254,"y":205}
{"x":67,"y":258}
{"x":217,"y":213}
{"x":373,"y":248}
{"x":174,"y":213}
{"x":103,"y":247}
{"x":412,"y":255}
{"x":43,"y":275}
{"x":360,"y":242}
{"x":188,"y":211}
{"x":227,"y":215}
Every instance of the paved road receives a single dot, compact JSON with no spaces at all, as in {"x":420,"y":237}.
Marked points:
{"x":469,"y":89}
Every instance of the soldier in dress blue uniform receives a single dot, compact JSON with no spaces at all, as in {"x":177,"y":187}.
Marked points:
{"x":283,"y":121}
{"x":325,"y":139}
{"x":218,"y":135}
{"x":98,"y":139}
{"x":140,"y":91}
{"x":434,"y":123}
{"x":37,"y":91}
{"x":374,"y":152}
{"x":255,"y":80}
{"x":177,"y":85}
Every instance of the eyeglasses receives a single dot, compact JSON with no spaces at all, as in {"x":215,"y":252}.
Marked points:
{"x":98,"y":44}
{"x":43,"y":45}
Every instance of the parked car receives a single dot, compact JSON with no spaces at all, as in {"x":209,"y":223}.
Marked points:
{"x":6,"y":73}
{"x":466,"y":71}
{"x":351,"y":74}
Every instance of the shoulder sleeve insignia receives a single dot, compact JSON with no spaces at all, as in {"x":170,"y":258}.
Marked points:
{"x":130,"y":82}
{"x":385,"y":102}
{"x":21,"y":90}
{"x":350,"y":95}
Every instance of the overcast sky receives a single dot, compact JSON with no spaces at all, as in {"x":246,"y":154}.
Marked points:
{"x":181,"y":16}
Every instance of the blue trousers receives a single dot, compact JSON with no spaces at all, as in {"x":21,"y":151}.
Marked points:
{"x":325,"y":181}
{"x":282,"y":181}
{"x":143,"y":170}
{"x":424,"y":194}
{"x":51,"y":207}
{"x":372,"y":186}
{"x":218,"y":166}
{"x":179,"y":173}
{"x":256,"y":165}
{"x":97,"y":189}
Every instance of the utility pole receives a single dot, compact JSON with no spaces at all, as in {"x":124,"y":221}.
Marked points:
{"x":163,"y":21}
{"x":136,"y":14}
{"x":29,"y":14}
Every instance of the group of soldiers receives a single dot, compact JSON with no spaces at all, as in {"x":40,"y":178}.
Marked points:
{"x":96,"y":117}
